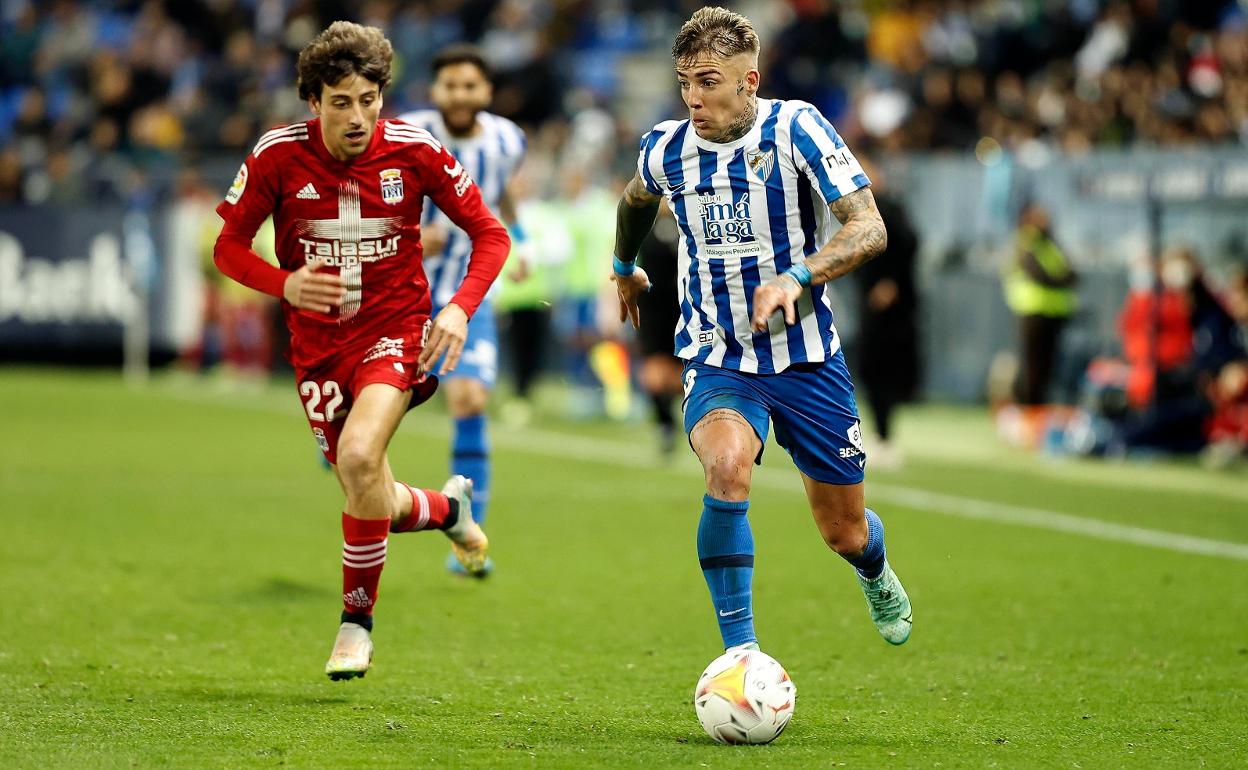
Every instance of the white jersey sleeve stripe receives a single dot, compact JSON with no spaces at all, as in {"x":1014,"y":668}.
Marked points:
{"x":643,"y":164}
{"x":261,"y":148}
{"x":278,"y":135}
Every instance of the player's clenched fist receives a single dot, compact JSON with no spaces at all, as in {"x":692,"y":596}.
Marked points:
{"x":446,"y":336}
{"x":309,"y":289}
{"x":780,"y":292}
{"x":629,"y":288}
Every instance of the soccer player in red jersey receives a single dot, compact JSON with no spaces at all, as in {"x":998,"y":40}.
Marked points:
{"x":345,"y":190}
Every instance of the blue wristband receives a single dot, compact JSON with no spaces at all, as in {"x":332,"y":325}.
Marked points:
{"x":799,"y":273}
{"x":623,"y":268}
{"x":517,"y":232}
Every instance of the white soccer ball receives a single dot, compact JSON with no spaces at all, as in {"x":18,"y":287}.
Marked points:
{"x":744,"y":696}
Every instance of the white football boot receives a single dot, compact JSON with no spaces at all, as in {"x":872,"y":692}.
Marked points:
{"x":468,"y":541}
{"x":353,"y":653}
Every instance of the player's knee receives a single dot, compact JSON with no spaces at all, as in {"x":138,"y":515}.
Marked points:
{"x":358,"y":461}
{"x":728,"y":472}
{"x":468,"y":400}
{"x":845,"y":536}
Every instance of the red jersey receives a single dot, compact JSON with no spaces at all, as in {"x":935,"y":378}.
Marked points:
{"x":360,"y":218}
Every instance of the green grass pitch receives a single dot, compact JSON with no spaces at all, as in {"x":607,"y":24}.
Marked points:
{"x":169,"y":572}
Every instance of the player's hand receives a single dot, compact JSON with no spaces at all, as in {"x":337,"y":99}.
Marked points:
{"x":883,"y":295}
{"x":629,"y":288}
{"x":309,"y":289}
{"x":780,"y":292}
{"x":518,"y":272}
{"x":446,"y":336}
{"x":519,"y":264}
{"x":432,"y":239}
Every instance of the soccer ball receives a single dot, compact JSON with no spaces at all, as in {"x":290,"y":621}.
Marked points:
{"x":744,"y":696}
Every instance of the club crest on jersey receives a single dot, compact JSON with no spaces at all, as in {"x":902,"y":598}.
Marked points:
{"x":761,"y":163}
{"x":392,"y":186}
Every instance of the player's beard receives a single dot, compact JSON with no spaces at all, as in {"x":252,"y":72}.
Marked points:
{"x":462,"y":123}
{"x":741,"y":126}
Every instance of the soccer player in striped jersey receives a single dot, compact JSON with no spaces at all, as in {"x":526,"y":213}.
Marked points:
{"x":346,"y":191}
{"x":490,"y":147}
{"x":756,"y":185}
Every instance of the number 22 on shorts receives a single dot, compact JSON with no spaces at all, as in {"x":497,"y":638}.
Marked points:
{"x":312,"y":394}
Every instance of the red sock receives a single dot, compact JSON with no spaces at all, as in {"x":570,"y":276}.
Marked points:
{"x":363,"y":556}
{"x":429,"y":511}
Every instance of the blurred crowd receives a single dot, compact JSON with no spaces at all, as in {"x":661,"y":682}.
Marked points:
{"x":1039,"y":77}
{"x":105,"y":100}
{"x":1176,"y":382}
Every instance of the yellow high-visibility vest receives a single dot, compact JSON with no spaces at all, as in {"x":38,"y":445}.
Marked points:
{"x":1028,"y":297}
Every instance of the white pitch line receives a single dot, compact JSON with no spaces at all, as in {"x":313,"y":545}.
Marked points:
{"x":570,"y":447}
{"x":599,"y":450}
{"x":1039,"y":518}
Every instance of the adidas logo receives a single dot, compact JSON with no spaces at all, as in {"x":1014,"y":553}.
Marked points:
{"x":357,"y":598}
{"x":309,"y":193}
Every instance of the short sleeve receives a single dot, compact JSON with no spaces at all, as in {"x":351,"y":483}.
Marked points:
{"x":643,"y":163}
{"x":819,"y":152}
{"x":520,"y":145}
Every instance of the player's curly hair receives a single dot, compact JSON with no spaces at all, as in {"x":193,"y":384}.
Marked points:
{"x":717,"y":31}
{"x":344,"y":48}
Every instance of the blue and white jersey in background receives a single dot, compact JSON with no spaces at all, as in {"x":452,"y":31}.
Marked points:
{"x":490,"y":157}
{"x":748,"y":210}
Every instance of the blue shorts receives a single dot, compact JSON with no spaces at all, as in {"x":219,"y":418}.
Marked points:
{"x":811,"y":405}
{"x":479,"y":360}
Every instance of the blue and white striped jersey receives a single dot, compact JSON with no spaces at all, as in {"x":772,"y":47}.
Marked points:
{"x":490,"y":157}
{"x":748,"y":210}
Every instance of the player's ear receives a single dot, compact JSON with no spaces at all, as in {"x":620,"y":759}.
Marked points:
{"x":314,"y":104}
{"x":752,"y":79}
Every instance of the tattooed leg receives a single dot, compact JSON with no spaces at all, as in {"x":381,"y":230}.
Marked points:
{"x":727,"y":445}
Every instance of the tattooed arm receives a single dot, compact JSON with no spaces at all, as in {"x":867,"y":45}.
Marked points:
{"x":862,"y":236}
{"x":634,"y":216}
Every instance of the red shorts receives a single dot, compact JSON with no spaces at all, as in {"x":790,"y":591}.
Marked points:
{"x":329,"y":389}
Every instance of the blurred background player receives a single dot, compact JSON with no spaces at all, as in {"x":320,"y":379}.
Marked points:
{"x":659,"y":375}
{"x":525,"y":303}
{"x":754,"y":184}
{"x":490,"y":148}
{"x":888,"y":338}
{"x":346,"y":190}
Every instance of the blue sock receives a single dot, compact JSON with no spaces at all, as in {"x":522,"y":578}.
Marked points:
{"x":871,"y":562}
{"x":470,"y":456}
{"x":726,"y":551}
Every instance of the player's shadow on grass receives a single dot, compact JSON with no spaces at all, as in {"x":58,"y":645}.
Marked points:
{"x":282,"y":590}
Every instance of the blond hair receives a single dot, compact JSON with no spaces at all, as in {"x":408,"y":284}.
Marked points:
{"x":716,"y":31}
